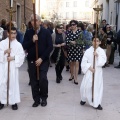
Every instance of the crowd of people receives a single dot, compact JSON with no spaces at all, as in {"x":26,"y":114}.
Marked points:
{"x":69,"y":45}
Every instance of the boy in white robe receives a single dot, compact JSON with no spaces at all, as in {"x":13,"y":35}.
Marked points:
{"x":87,"y":68}
{"x":16,"y":59}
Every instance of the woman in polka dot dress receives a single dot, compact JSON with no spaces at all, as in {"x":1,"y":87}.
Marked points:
{"x":75,"y":52}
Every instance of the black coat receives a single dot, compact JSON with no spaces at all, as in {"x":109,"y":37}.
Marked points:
{"x":45,"y":44}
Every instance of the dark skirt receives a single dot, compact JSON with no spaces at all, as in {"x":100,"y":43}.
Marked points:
{"x":57,"y":55}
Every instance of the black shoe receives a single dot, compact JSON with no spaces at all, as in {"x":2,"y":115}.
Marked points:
{"x":57,"y":80}
{"x":14,"y":107}
{"x":71,"y":78}
{"x":1,"y":106}
{"x":117,"y":66}
{"x":60,"y":77}
{"x":107,"y":65}
{"x":44,"y":103}
{"x":75,"y":82}
{"x":35,"y":104}
{"x":82,"y":103}
{"x":67,"y":68}
{"x":103,"y":66}
{"x":99,"y":107}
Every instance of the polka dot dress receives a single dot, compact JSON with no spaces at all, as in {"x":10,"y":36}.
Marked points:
{"x":75,"y":52}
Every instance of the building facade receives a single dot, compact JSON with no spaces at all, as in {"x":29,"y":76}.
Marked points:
{"x":66,"y":10}
{"x":23,"y":10}
{"x":110,"y":12}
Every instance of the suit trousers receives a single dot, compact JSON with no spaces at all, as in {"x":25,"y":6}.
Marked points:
{"x":39,"y":87}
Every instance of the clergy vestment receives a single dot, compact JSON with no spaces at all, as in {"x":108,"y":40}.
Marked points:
{"x":86,"y":85}
{"x":18,"y":52}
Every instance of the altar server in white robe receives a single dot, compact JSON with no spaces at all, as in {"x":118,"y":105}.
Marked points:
{"x":87,"y":68}
{"x":16,"y":59}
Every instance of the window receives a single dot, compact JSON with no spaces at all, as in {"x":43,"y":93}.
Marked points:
{"x":74,"y":15}
{"x":67,"y":4}
{"x":67,"y":15}
{"x":81,"y":15}
{"x":75,"y":4}
{"x":61,"y":4}
{"x":87,"y":3}
{"x":50,"y":5}
{"x":61,"y":15}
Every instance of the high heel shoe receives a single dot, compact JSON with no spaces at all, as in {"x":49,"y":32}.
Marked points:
{"x":71,"y":78}
{"x":75,"y":82}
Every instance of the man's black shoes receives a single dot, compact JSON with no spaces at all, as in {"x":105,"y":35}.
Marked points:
{"x":14,"y":107}
{"x":99,"y":107}
{"x":35,"y":104}
{"x":82,"y":103}
{"x":57,"y":80}
{"x":1,"y":106}
{"x":44,"y":103}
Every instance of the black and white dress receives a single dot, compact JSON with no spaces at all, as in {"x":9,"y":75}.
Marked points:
{"x":75,"y":52}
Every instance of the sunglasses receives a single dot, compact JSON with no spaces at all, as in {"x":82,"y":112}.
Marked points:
{"x":60,"y":27}
{"x":73,"y":24}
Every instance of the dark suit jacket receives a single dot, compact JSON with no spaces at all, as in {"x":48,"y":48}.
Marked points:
{"x":45,"y":44}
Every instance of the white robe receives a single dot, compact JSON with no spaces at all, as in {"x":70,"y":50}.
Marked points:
{"x":86,"y":85}
{"x":18,"y":52}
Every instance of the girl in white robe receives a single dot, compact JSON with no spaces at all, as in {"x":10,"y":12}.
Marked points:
{"x":16,"y":60}
{"x":87,"y":68}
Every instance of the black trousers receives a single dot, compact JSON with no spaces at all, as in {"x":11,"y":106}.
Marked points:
{"x":39,"y":87}
{"x":60,"y":65}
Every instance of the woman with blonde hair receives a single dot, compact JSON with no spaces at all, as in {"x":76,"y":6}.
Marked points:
{"x":23,"y":28}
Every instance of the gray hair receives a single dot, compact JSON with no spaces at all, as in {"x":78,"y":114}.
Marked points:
{"x":37,"y":17}
{"x":90,"y":27}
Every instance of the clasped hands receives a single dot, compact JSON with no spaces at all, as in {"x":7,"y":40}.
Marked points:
{"x":60,"y":45}
{"x":73,"y":42}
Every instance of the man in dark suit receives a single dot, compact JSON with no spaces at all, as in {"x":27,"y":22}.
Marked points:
{"x":45,"y":46}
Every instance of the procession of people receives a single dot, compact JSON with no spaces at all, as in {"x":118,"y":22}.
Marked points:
{"x":81,"y":47}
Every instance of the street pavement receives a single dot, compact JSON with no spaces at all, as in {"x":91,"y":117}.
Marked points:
{"x":64,"y":99}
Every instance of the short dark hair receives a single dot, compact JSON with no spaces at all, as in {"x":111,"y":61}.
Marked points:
{"x":103,"y":20}
{"x":12,"y":28}
{"x":67,"y":26}
{"x":81,"y":25}
{"x":74,"y":21}
{"x":96,"y":37}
